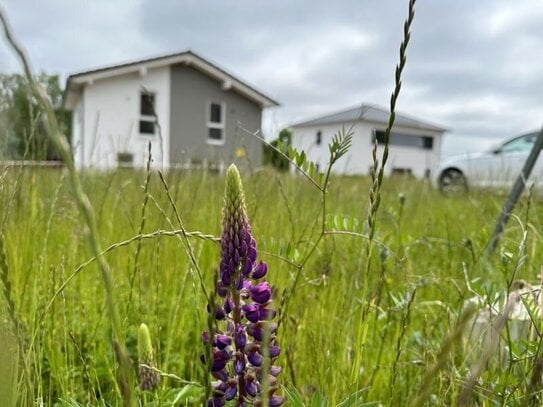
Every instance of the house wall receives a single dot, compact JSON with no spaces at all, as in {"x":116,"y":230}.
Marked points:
{"x":191,"y":93}
{"x":358,"y":160}
{"x":109,"y":123}
{"x":77,"y":133}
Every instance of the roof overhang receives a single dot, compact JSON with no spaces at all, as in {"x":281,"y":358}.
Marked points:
{"x":76,"y":82}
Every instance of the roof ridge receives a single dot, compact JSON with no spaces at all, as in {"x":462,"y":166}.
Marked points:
{"x":134,"y":62}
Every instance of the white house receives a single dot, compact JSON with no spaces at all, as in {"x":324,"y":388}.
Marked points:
{"x":414,"y":148}
{"x":190,"y":110}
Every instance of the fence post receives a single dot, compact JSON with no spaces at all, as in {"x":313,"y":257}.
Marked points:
{"x":514,"y":195}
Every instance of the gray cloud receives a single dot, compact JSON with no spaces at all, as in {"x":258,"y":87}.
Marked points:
{"x":474,"y":67}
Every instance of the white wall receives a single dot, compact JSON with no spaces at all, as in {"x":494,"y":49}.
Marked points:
{"x":110,"y":120}
{"x":358,"y":160}
{"x":77,"y":133}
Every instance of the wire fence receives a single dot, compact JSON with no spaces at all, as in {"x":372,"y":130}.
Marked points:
{"x":31,"y":163}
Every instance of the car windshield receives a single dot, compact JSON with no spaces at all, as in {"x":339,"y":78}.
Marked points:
{"x":520,"y":144}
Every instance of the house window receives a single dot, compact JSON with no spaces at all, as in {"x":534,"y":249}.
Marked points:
{"x":402,"y":171}
{"x":125,"y":159}
{"x":405,"y":140}
{"x":428,"y":143}
{"x":147,"y":113}
{"x":319,"y":138}
{"x":215,"y":123}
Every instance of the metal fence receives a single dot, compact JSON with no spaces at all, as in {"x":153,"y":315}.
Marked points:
{"x":31,"y":163}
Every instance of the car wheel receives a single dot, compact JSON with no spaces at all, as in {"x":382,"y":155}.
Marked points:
{"x":452,"y":182}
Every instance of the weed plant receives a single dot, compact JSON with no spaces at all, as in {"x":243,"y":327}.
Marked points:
{"x":428,"y":247}
{"x":370,"y":276}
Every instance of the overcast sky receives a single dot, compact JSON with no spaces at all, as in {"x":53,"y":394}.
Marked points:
{"x":475,"y":67}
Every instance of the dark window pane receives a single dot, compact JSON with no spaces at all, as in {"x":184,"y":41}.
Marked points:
{"x":405,"y":140}
{"x":428,"y":143}
{"x":147,"y":127}
{"x":147,"y":104}
{"x":319,"y":137}
{"x":380,"y":136}
{"x":215,"y":134}
{"x":401,"y":171}
{"x":125,"y":159}
{"x":215,"y":115}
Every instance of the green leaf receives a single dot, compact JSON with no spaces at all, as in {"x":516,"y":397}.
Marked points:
{"x":294,"y":398}
{"x":300,"y":159}
{"x":291,"y":152}
{"x":311,"y":170}
{"x":354,"y":400}
{"x":346,"y":223}
{"x":188,"y":394}
{"x":318,"y":400}
{"x":336,"y":222}
{"x":340,"y":145}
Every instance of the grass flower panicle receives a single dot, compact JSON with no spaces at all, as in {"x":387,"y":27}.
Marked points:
{"x":237,"y":351}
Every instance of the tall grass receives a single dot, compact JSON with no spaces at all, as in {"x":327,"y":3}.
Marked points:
{"x":430,"y":250}
{"x":368,"y":314}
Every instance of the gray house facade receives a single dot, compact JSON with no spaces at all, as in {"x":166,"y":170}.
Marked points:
{"x":193,"y":113}
{"x":215,"y":133}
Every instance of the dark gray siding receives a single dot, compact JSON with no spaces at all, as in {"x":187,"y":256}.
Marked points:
{"x":191,"y":92}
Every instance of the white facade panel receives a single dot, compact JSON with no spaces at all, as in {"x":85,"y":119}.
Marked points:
{"x":77,"y":133}
{"x":111,"y":116}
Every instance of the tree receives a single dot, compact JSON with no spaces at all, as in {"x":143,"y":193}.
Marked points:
{"x":22,"y":134}
{"x":272,"y":157}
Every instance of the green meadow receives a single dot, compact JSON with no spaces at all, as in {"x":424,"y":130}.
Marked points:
{"x":380,"y":330}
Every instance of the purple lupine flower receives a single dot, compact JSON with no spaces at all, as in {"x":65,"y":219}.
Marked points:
{"x":260,"y":270}
{"x":254,"y":358}
{"x":251,"y":312}
{"x":276,"y":401}
{"x":260,"y":293}
{"x":222,"y":341}
{"x":237,"y":349}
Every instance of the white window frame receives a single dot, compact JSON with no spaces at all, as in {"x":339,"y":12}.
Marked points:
{"x":214,"y":125}
{"x":147,"y":118}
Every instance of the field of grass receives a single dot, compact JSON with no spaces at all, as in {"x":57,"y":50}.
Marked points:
{"x":346,"y":327}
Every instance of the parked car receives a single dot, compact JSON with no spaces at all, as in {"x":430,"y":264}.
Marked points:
{"x":497,"y":167}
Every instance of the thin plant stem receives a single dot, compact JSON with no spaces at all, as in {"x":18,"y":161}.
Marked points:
{"x":92,"y":234}
{"x":18,"y":326}
{"x":378,"y":169}
{"x":282,"y":153}
{"x":184,"y":237}
{"x":441,"y":357}
{"x":377,"y":174}
{"x":140,"y":232}
{"x":136,"y":238}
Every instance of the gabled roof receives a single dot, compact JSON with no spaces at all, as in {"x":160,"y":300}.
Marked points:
{"x":77,"y":81}
{"x":369,"y":113}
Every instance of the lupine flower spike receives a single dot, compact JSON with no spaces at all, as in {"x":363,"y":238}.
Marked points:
{"x":243,"y":311}
{"x":149,"y":378}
